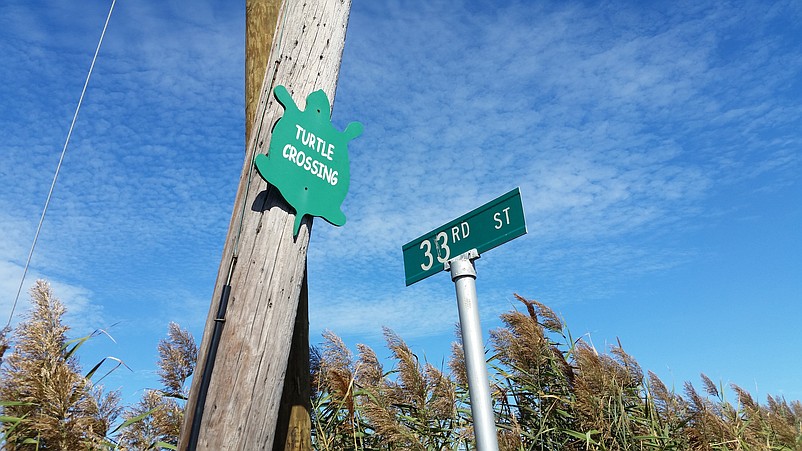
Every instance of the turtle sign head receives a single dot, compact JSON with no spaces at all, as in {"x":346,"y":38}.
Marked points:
{"x":318,"y":103}
{"x":308,"y":158}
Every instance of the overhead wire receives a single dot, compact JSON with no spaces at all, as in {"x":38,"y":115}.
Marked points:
{"x":58,"y":167}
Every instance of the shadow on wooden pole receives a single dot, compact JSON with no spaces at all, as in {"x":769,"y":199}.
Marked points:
{"x":294,"y":427}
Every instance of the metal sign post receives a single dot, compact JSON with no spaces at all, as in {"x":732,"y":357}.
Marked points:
{"x":463,"y":273}
{"x":494,"y":223}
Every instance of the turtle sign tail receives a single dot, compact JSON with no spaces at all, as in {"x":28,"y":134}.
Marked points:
{"x":299,"y":217}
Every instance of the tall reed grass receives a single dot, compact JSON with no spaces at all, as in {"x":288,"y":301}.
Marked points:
{"x":46,"y":403}
{"x":550,"y":392}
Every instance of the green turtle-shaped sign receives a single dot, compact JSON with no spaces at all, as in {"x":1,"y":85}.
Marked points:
{"x":308,"y":158}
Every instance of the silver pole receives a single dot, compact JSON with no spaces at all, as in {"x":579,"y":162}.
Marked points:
{"x":463,"y":273}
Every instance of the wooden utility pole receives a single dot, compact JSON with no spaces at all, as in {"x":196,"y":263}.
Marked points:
{"x":261,"y":17}
{"x":293,"y":427}
{"x":239,"y":380}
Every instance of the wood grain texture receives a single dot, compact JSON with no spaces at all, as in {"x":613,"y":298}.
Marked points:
{"x":261,"y":17}
{"x":236,"y":392}
{"x":294,"y":428}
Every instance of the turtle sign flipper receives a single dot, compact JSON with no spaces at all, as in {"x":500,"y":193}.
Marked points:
{"x":284,"y":98}
{"x":262,"y":164}
{"x":353,"y":130}
{"x":337,"y":217}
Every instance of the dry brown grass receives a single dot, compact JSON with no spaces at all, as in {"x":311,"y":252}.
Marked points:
{"x":159,"y":423}
{"x":57,"y":407}
{"x":550,"y":392}
{"x":156,"y":419}
{"x":359,"y":406}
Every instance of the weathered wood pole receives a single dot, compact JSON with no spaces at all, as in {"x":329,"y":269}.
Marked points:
{"x":261,"y":17}
{"x":294,"y":425}
{"x":237,"y":388}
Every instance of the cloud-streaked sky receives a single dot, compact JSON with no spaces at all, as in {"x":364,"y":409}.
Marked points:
{"x":657,"y":148}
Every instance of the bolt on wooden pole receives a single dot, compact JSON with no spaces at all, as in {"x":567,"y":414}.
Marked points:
{"x":236,"y":393}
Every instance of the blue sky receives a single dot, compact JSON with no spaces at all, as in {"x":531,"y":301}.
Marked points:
{"x":657,"y":148}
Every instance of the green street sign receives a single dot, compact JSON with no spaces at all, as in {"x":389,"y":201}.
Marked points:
{"x":308,"y":158}
{"x":492,"y":224}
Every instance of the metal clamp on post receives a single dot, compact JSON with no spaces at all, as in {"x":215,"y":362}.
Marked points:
{"x":462,"y":265}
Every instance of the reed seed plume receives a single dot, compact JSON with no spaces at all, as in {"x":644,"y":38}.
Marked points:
{"x":710,"y":386}
{"x":548,"y":318}
{"x":670,"y":408}
{"x":628,"y":363}
{"x":745,"y":399}
{"x":411,"y":382}
{"x":378,"y":402}
{"x":160,"y":422}
{"x":177,"y":356}
{"x":457,"y":364}
{"x":442,"y":398}
{"x":370,"y":372}
{"x":521,"y":343}
{"x":412,"y":406}
{"x":55,"y":407}
{"x":336,"y":355}
{"x":659,"y":391}
{"x":161,"y":412}
{"x":534,"y":384}
{"x":337,"y":372}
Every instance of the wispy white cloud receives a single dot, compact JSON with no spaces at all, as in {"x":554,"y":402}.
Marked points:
{"x":619,"y":125}
{"x":622,"y":125}
{"x":363,"y":313}
{"x":144,"y":195}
